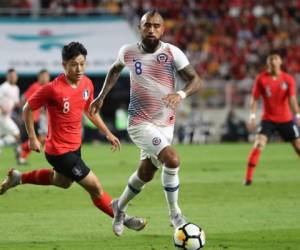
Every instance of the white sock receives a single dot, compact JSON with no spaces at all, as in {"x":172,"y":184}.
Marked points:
{"x":170,"y":182}
{"x":134,"y":186}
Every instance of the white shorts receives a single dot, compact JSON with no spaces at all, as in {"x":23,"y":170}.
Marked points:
{"x":151,"y":139}
{"x":8,"y":126}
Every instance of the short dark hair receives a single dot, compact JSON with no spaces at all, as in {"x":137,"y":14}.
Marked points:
{"x":42,"y":71}
{"x":72,"y":50}
{"x":10,"y":70}
{"x":152,"y":12}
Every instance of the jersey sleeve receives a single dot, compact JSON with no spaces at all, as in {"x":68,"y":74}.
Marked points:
{"x":292,"y":86}
{"x":41,"y":97}
{"x":256,"y":89}
{"x":121,"y":55}
{"x":180,"y":59}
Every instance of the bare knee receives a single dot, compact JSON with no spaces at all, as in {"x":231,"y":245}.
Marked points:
{"x":64,"y":185}
{"x":95,"y":190}
{"x":260,"y":142}
{"x":146,"y":170}
{"x":61,"y":181}
{"x":169,"y":157}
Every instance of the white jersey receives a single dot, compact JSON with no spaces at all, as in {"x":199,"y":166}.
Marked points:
{"x":9,"y":97}
{"x":152,"y":76}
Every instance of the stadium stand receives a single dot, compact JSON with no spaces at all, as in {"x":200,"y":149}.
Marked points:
{"x":226,"y":41}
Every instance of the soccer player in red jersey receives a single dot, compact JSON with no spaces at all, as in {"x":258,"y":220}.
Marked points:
{"x":23,"y":150}
{"x":278,"y":92}
{"x":66,"y":98}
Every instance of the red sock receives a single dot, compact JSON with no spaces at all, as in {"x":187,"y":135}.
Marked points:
{"x":103,"y":204}
{"x":252,"y":162}
{"x":38,"y":177}
{"x":25,"y":149}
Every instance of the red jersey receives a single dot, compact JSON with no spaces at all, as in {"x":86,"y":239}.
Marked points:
{"x":65,"y":107}
{"x":275,"y":93}
{"x":29,"y":92}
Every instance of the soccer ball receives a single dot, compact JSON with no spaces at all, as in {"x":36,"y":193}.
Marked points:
{"x":189,"y":237}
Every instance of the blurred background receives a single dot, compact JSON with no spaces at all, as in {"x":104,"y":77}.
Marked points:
{"x":226,"y":41}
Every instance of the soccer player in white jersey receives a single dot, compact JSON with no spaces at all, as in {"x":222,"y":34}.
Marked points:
{"x":152,"y":65}
{"x":9,"y":98}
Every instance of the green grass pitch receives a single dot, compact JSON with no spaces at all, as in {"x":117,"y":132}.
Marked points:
{"x":263,"y":216}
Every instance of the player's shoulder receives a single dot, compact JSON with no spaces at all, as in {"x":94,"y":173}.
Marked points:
{"x":262,"y":75}
{"x":287,"y":76}
{"x":169,"y":45}
{"x":129,"y":47}
{"x":87,"y":81}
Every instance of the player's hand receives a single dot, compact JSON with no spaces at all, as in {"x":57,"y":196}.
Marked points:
{"x":251,"y":125}
{"x":172,"y":100}
{"x":35,"y":145}
{"x":95,"y":106}
{"x":115,"y":143}
{"x":298,"y":121}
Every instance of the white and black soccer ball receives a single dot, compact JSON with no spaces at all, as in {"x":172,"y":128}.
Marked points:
{"x":189,"y":237}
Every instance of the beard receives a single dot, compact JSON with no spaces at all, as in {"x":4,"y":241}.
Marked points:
{"x":150,"y":44}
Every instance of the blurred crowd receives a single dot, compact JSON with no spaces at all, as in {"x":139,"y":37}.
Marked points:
{"x":60,"y":7}
{"x":224,"y":39}
{"x":230,"y":39}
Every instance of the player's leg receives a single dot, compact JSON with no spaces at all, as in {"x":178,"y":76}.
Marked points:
{"x":103,"y":201}
{"x":264,"y":131}
{"x":136,"y":183}
{"x":289,"y":131}
{"x":38,"y":177}
{"x":253,"y":158}
{"x":100,"y":198}
{"x":9,"y":131}
{"x":296,"y":146}
{"x":22,"y":149}
{"x":170,"y":182}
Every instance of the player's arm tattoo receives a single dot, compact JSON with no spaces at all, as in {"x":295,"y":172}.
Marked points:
{"x":111,"y":79}
{"x":193,"y":82}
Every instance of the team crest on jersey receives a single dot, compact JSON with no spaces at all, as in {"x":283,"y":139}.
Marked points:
{"x":162,"y":58}
{"x":284,"y":85}
{"x":156,"y":141}
{"x":85,"y":94}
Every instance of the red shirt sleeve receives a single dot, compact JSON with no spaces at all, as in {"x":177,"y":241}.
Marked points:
{"x":256,"y":90}
{"x":91,"y":96}
{"x":41,"y":97}
{"x":292,"y":86}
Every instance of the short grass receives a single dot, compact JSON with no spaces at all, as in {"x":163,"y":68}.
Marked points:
{"x":264,"y":216}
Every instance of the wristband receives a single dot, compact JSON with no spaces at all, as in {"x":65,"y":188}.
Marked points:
{"x":298,"y":116}
{"x":252,"y":116}
{"x":181,"y":93}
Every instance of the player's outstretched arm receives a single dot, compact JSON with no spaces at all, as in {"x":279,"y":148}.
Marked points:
{"x":193,"y":81}
{"x":110,"y":81}
{"x":34,"y":143}
{"x":99,"y":123}
{"x":252,"y":115}
{"x":193,"y":84}
{"x":295,"y":108}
